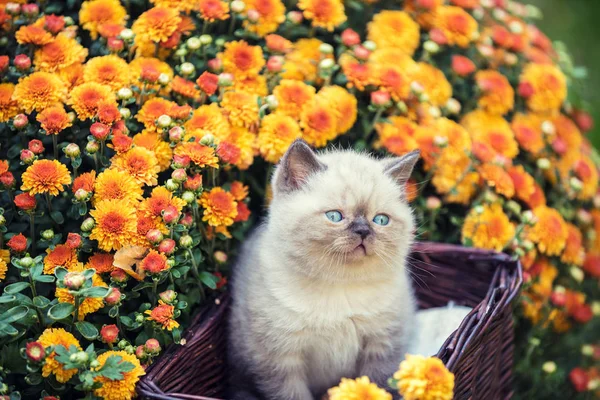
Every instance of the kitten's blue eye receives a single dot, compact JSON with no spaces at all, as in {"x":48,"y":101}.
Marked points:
{"x":334,"y":216}
{"x":381,"y":219}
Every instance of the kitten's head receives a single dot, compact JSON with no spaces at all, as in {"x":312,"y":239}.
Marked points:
{"x":342,"y":215}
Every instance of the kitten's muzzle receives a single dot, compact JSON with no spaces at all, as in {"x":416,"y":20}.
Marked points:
{"x":360,"y":227}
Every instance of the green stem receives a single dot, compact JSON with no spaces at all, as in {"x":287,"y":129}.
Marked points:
{"x":372,"y":126}
{"x":196,"y":273}
{"x":49,"y":203}
{"x":155,"y":291}
{"x":231,"y":25}
{"x":95,"y":157}
{"x":37,"y":310}
{"x":55,"y":146}
{"x":76,"y":313}
{"x":118,"y":318}
{"x":32,"y":231}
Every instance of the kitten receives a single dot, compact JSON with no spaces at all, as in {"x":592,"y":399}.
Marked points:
{"x":320,"y":290}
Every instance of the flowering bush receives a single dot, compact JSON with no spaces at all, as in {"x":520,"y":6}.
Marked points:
{"x":132,"y":134}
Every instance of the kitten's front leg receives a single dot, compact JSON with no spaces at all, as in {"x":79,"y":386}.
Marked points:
{"x":287,"y":380}
{"x":379,"y":360}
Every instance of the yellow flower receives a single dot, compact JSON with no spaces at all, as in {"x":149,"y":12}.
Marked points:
{"x":95,"y":13}
{"x":277,"y":132}
{"x":252,"y":84}
{"x":421,"y":378}
{"x":202,"y":156}
{"x":160,"y":199}
{"x":550,"y":231}
{"x":241,"y":108}
{"x":358,"y":389}
{"x":242,"y":59}
{"x":121,"y":389}
{"x":8,"y":106}
{"x":61,"y":53}
{"x":115,"y":224}
{"x":108,"y":70}
{"x":457,"y":25}
{"x":56,"y":337}
{"x":33,"y":34}
{"x":161,"y":149}
{"x":152,"y":110}
{"x":89,"y":305}
{"x":301,"y":63}
{"x":149,"y":64}
{"x":488,"y":228}
{"x":45,"y":176}
{"x":114,"y":184}
{"x":498,"y":96}
{"x":220,"y":207}
{"x":182,"y":5}
{"x":156,"y":25}
{"x":547,"y":84}
{"x":207,"y":118}
{"x":140,"y":163}
{"x":326,"y":14}
{"x":434,"y":83}
{"x":39,"y":91}
{"x":574,"y":252}
{"x":318,"y":123}
{"x":528,"y":132}
{"x":3,"y":269}
{"x":61,"y":256}
{"x":271,"y":13}
{"x":87,"y":97}
{"x":213,"y":10}
{"x":344,"y":103}
{"x":497,"y":177}
{"x":492,"y":130}
{"x":162,"y":314}
{"x":394,"y":29}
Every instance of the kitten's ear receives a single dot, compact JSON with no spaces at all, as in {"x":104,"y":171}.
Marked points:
{"x":400,"y":168}
{"x":297,"y":164}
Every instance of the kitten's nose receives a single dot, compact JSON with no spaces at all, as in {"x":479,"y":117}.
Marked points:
{"x":360,"y":227}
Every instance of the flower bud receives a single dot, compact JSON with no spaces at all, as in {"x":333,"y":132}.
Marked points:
{"x":275,"y":63}
{"x":140,"y":352}
{"x":350,"y":37}
{"x":206,"y":39}
{"x":225,"y":79}
{"x":74,"y":280}
{"x":207,"y":140}
{"x":176,"y":134}
{"x":220,"y":257}
{"x":22,"y":62}
{"x":433,"y":203}
{"x":181,"y":52}
{"x":171,"y":185}
{"x":453,"y":106}
{"x":36,"y":146}
{"x":193,"y":43}
{"x":26,"y":262}
{"x":543,"y":163}
{"x":170,"y":215}
{"x":30,"y":10}
{"x":13,"y":8}
{"x":152,"y":346}
{"x":380,"y":98}
{"x":92,"y":147}
{"x":130,"y":349}
{"x":596,"y":308}
{"x":253,"y":16}
{"x":81,"y":194}
{"x":122,"y":344}
{"x":48,"y":234}
{"x":558,"y":297}
{"x":20,"y":121}
{"x":431,"y":47}
{"x":167,"y":246}
{"x":186,"y":241}
{"x":164,"y":79}
{"x":180,"y":161}
{"x":35,"y":352}
{"x":88,"y":224}
{"x":27,"y":156}
{"x":215,"y":64}
{"x":125,"y":112}
{"x":109,"y":333}
{"x":113,"y":297}
{"x":587,"y":350}
{"x":326,"y":64}
{"x":193,"y":183}
{"x":187,"y":220}
{"x":528,"y":245}
{"x":154,"y":236}
{"x":361,"y":52}
{"x":549,"y":367}
{"x":188,"y":197}
{"x":72,"y":150}
{"x":326,"y":48}
{"x":575,"y":184}
{"x":168,"y":296}
{"x":119,"y":276}
{"x":187,"y":68}
{"x":295,"y":17}
{"x":237,"y":6}
{"x":126,"y":34}
{"x":272,"y":102}
{"x":577,"y":273}
{"x":124,"y":93}
{"x":164,"y":121}
{"x":73,"y":240}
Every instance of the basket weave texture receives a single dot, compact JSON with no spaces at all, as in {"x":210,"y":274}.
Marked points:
{"x":479,"y":352}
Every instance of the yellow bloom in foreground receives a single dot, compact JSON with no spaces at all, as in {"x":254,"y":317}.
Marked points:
{"x":550,"y":232}
{"x":548,"y":87}
{"x":115,"y":224}
{"x":3,"y":269}
{"x":39,"y":91}
{"x":89,"y":304}
{"x":122,"y":389}
{"x":108,"y":70}
{"x":61,"y":53}
{"x":358,"y":389}
{"x":87,"y":98}
{"x":271,"y":13}
{"x":140,"y":163}
{"x":421,"y":378}
{"x":344,"y":103}
{"x":45,"y":176}
{"x":488,"y":228}
{"x":277,"y":132}
{"x":55,"y":337}
{"x":325,"y":14}
{"x":394,"y":29}
{"x":113,"y":184}
{"x":220,"y":208}
{"x":318,"y":123}
{"x":8,"y":107}
{"x":241,"y":107}
{"x":156,"y":25}
{"x":95,"y":13}
{"x":292,"y":96}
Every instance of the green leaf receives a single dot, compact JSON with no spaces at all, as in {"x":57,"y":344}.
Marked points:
{"x":57,"y":217}
{"x":16,"y":287}
{"x":82,"y":209}
{"x":182,"y":305}
{"x":7,"y":298}
{"x":7,"y":330}
{"x":176,"y":274}
{"x":45,"y":279}
{"x":113,"y":312}
{"x":36,"y":270}
{"x":141,"y":286}
{"x":209,"y":279}
{"x":96,"y":291}
{"x":87,"y":330}
{"x":176,"y":335}
{"x":88,"y":273}
{"x":14,"y":314}
{"x":60,"y":272}
{"x":61,"y":311}
{"x":114,"y":366}
{"x":41,"y":301}
{"x":128,"y":322}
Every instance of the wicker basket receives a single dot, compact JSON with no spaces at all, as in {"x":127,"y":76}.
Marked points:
{"x":479,"y":352}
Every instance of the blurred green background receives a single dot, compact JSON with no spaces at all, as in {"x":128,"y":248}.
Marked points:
{"x":577,"y":24}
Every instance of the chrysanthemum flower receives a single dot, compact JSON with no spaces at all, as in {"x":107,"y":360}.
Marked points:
{"x":244,"y":140}
{"x":358,"y":389}
{"x":428,"y":136}
{"x":434,"y":83}
{"x":524,"y":183}
{"x":575,"y":164}
{"x":238,"y":190}
{"x":213,"y":10}
{"x":163,"y":316}
{"x":149,"y":64}
{"x":181,"y":5}
{"x":57,"y":337}
{"x":241,"y":108}
{"x":101,"y":262}
{"x":156,"y":25}
{"x":39,"y":91}
{"x":242,"y":59}
{"x":278,"y":44}
{"x":394,"y":29}
{"x":110,"y":30}
{"x":146,"y":222}
{"x":108,"y":70}
{"x":154,"y":262}
{"x":72,"y":75}
{"x":397,"y":135}
{"x":114,"y":184}
{"x":455,"y":179}
{"x":61,"y":53}
{"x":184,"y":88}
{"x":456,"y":25}
{"x":421,"y":378}
{"x":61,"y":256}
{"x":344,"y":103}
{"x":393,"y":80}
{"x":496,"y":177}
{"x":388,"y":56}
{"x":161,"y":149}
{"x":86,"y":98}
{"x":271,"y":13}
{"x":490,"y":229}
{"x":33,"y":34}
{"x":202,"y":156}
{"x":301,"y":63}
{"x":220,"y":208}
{"x":207,"y":118}
{"x":359,"y":75}
{"x":256,"y":85}
{"x":89,"y":305}
{"x":122,"y":389}
{"x":3,"y":269}
{"x":277,"y":132}
{"x":95,"y":13}
{"x":115,"y":224}
{"x":574,"y":252}
{"x":547,"y":86}
{"x":528,"y":132}
{"x":140,"y":163}
{"x":151,"y":110}
{"x":160,"y":199}
{"x":492,"y":130}
{"x":318,"y":123}
{"x":8,"y":107}
{"x":54,"y":120}
{"x":550,"y":232}
{"x":228,"y":152}
{"x":326,"y":14}
{"x":292,"y":96}
{"x":497,"y":96}
{"x":567,"y":131}
{"x":537,"y":199}
{"x":45,"y":176}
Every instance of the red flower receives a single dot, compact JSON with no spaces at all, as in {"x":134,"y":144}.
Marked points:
{"x":462,"y":66}
{"x":592,"y":264}
{"x":73,"y":240}
{"x":583,"y":313}
{"x":99,"y":131}
{"x":7,"y":179}
{"x":54,"y":24}
{"x":109,"y":333}
{"x":208,"y":83}
{"x":25,"y":201}
{"x":36,"y":146}
{"x":121,"y":143}
{"x":17,"y":243}
{"x":35,"y":352}
{"x":579,"y":379}
{"x":243,"y":212}
{"x":22,"y":62}
{"x":3,"y":63}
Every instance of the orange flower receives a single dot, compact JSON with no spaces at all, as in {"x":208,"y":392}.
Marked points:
{"x":101,"y":262}
{"x":278,"y":44}
{"x":524,"y":183}
{"x":156,"y":25}
{"x":61,"y":256}
{"x":271,"y":13}
{"x":140,"y":163}
{"x":497,"y":96}
{"x":528,"y":132}
{"x":568,"y":132}
{"x":359,"y":75}
{"x":153,"y":141}
{"x":241,"y":108}
{"x":207,"y":118}
{"x":574,"y":252}
{"x":344,"y":103}
{"x":492,"y":130}
{"x":33,"y":34}
{"x":61,"y":53}
{"x":202,"y":156}
{"x":8,"y":107}
{"x":87,"y":98}
{"x":277,"y":132}
{"x":110,"y":30}
{"x":393,"y":80}
{"x":45,"y":176}
{"x":213,"y":10}
{"x":108,"y":70}
{"x":394,"y":29}
{"x":456,"y":25}
{"x":154,"y":262}
{"x":388,"y":56}
{"x":318,"y":123}
{"x":537,"y":199}
{"x":252,"y":84}
{"x":398,"y":136}
{"x":149,"y":65}
{"x":220,"y":208}
{"x":160,"y":199}
{"x":115,"y":224}
{"x":434,"y":83}
{"x":291,"y":97}
{"x":94,"y":13}
{"x":152,"y":109}
{"x":238,"y":190}
{"x":72,"y":75}
{"x":163,"y":316}
{"x":39,"y":91}
{"x":146,"y":222}
{"x":54,"y":120}
{"x":496,"y":177}
{"x":184,"y":87}
{"x":114,"y":184}
{"x":57,"y":337}
{"x":546,"y":87}
{"x":488,"y":229}
{"x":301,"y":63}
{"x":84,"y":181}
{"x":228,"y":152}
{"x":457,"y":177}
{"x":241,"y":59}
{"x":181,"y":5}
{"x":244,"y":140}
{"x":550,"y":232}
{"x":326,"y":14}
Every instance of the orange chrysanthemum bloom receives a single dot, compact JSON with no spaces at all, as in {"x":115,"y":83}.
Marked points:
{"x":156,"y":25}
{"x":574,"y":164}
{"x":33,"y":34}
{"x":8,"y":107}
{"x":3,"y":269}
{"x":457,"y":177}
{"x":292,"y":96}
{"x":101,"y":262}
{"x":110,"y":30}
{"x":523,"y":182}
{"x":492,"y":130}
{"x":220,"y":208}
{"x":528,"y":132}
{"x":498,"y":96}
{"x":550,"y":232}
{"x":326,"y":14}
{"x":393,"y":80}
{"x":394,"y":29}
{"x":344,"y":103}
{"x":89,"y":305}
{"x":72,"y":75}
{"x":84,"y":181}
{"x":241,"y":108}
{"x":456,"y":25}
{"x":213,"y":10}
{"x":388,"y":56}
{"x":154,"y":262}
{"x":45,"y":176}
{"x":537,"y":199}
{"x":146,"y":222}
{"x":52,"y":337}
{"x":568,"y":132}
{"x":163,"y":315}
{"x":140,"y":163}
{"x":397,"y":135}
{"x":425,"y":378}
{"x":252,"y":84}
{"x":95,"y":13}
{"x":244,"y":140}
{"x":238,"y":190}
{"x":301,"y":63}
{"x":61,"y":53}
{"x":271,"y":13}
{"x":445,"y":130}
{"x":278,"y":44}
{"x":495,"y":176}
{"x":207,"y":118}
{"x":38,"y":91}
{"x":61,"y":256}
{"x":108,"y":113}
{"x":434,"y":83}
{"x":120,"y":389}
{"x":152,"y":141}
{"x":184,"y":88}
{"x":114,"y":184}
{"x":152,"y":109}
{"x":359,"y":75}
{"x":115,"y":224}
{"x":54,"y":120}
{"x":86,"y":98}
{"x":489,"y":229}
{"x":108,"y":70}
{"x":242,"y":59}
{"x":574,"y":253}
{"x":149,"y":64}
{"x":202,"y":156}
{"x":547,"y":84}
{"x":277,"y":132}
{"x":318,"y":123}
{"x":160,"y":199}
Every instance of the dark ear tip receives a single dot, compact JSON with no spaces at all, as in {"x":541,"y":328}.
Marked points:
{"x":299,"y":144}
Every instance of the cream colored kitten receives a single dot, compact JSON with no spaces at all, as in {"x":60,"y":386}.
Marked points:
{"x":321,"y":290}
